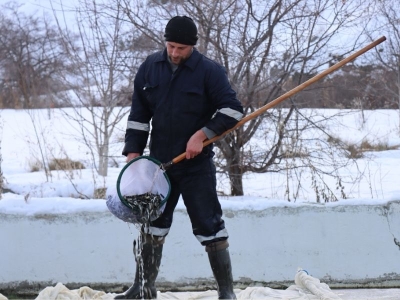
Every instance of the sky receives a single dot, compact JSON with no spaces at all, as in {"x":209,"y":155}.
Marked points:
{"x":31,"y":193}
{"x":38,"y":6}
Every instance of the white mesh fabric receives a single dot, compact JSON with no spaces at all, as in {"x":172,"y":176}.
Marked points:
{"x":143,"y":176}
{"x":139,"y":177}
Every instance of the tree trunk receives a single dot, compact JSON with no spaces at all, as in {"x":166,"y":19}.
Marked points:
{"x":236,"y":179}
{"x":103,"y":160}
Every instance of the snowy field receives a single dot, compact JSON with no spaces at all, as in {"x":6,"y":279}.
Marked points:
{"x":28,"y":137}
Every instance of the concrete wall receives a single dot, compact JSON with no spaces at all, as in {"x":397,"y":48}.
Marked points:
{"x":342,"y":245}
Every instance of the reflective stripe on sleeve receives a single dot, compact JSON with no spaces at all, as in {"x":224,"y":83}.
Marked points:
{"x":138,"y":126}
{"x":231,"y":113}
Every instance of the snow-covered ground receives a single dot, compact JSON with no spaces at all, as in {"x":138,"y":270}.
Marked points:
{"x":26,"y":136}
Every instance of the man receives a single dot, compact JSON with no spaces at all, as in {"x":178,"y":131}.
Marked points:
{"x":188,"y":99}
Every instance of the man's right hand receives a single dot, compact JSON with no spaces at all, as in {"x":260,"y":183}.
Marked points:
{"x":131,"y":156}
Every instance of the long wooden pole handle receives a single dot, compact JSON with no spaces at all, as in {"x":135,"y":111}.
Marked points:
{"x":288,"y":94}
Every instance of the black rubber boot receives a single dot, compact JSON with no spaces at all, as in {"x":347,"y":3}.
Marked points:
{"x":148,"y":262}
{"x":220,"y":262}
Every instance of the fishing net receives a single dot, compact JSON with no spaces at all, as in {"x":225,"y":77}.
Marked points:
{"x":141,"y":192}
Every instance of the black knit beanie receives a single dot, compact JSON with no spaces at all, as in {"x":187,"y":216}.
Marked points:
{"x":182,"y":30}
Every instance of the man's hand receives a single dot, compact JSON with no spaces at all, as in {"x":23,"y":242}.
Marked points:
{"x":131,"y":156}
{"x":195,"y":144}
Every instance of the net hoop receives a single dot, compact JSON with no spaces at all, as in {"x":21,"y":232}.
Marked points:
{"x":157,"y":163}
{"x":140,"y":179}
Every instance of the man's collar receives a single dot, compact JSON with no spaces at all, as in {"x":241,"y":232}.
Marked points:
{"x":194,"y":58}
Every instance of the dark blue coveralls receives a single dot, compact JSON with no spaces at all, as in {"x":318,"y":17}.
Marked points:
{"x":196,"y":96}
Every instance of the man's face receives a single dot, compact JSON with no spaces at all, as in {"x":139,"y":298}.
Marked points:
{"x":178,"y":53}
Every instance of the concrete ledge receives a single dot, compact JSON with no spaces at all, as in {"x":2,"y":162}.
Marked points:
{"x":345,"y":246}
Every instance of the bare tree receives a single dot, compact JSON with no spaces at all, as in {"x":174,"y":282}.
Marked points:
{"x":30,"y":59}
{"x":99,"y":83}
{"x":262,"y":45}
{"x":388,"y":21}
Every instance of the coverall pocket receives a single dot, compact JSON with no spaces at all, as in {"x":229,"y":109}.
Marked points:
{"x":194,"y":100}
{"x":150,"y":90}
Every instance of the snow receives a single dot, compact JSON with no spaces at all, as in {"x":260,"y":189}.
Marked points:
{"x":34,"y":193}
{"x":60,"y":138}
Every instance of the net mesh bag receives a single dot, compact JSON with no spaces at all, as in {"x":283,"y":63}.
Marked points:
{"x":141,"y":192}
